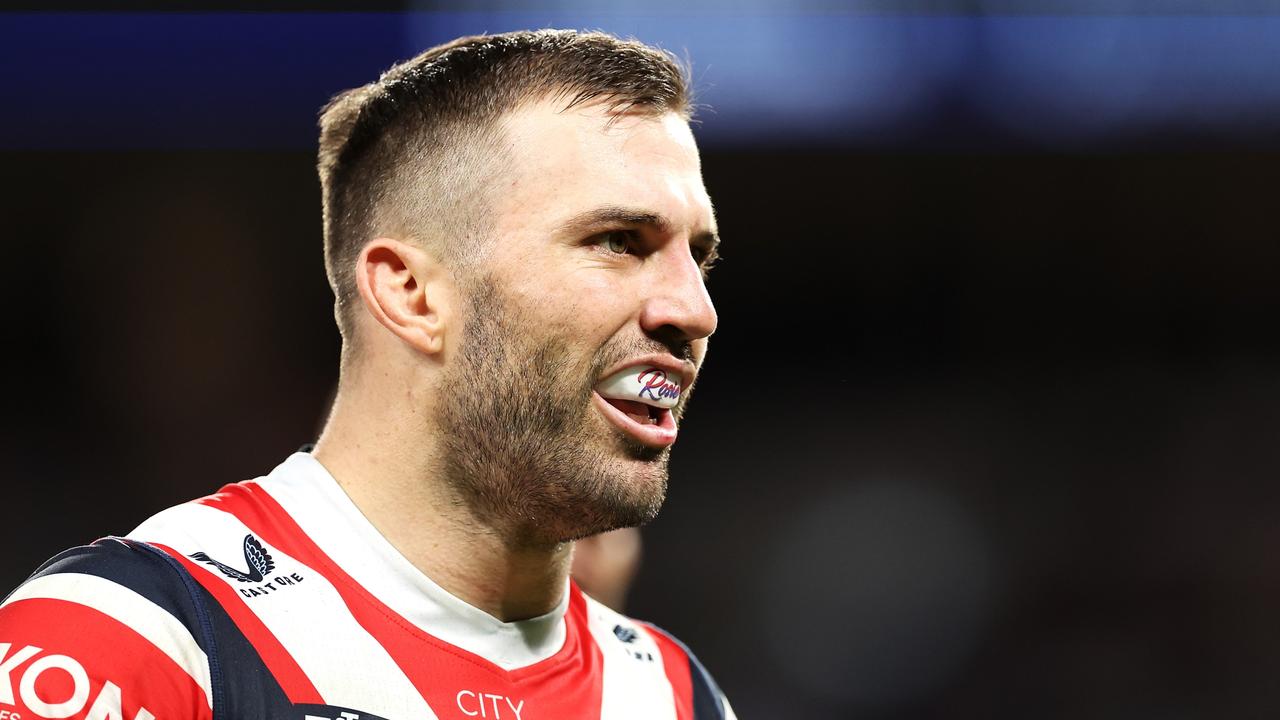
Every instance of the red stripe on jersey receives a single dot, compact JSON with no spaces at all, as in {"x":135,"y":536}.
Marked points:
{"x":679,"y":672}
{"x":295,"y":683}
{"x":106,"y":649}
{"x":565,"y":684}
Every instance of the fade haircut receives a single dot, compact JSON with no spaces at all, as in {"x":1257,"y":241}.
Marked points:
{"x":411,"y":155}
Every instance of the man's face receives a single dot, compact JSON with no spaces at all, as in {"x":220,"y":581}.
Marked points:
{"x":602,"y":229}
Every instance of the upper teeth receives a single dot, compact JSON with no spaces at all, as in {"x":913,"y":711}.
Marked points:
{"x":649,"y":385}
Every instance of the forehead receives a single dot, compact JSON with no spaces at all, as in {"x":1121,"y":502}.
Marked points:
{"x":565,"y":162}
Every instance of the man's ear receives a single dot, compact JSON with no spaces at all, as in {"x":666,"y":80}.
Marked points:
{"x":403,"y":287}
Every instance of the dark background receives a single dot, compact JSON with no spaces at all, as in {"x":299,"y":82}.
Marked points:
{"x":990,"y":428}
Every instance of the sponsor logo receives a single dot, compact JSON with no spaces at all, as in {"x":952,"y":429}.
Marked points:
{"x":474,"y":703}
{"x":655,"y":385}
{"x":259,"y":564}
{"x":255,"y":556}
{"x":332,"y":712}
{"x":629,"y":636}
{"x":625,"y":634}
{"x":107,"y":705}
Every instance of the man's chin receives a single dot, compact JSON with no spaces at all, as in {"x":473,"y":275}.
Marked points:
{"x":631,"y":496}
{"x":638,"y":519}
{"x":570,"y":529}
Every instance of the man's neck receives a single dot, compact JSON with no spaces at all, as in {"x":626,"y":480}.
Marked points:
{"x":403,"y":498}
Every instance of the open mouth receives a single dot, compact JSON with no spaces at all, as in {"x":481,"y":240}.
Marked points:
{"x":638,"y":411}
{"x":648,"y":425}
{"x":639,"y":401}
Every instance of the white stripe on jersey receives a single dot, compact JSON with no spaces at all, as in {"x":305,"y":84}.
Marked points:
{"x":634,"y":688}
{"x":310,"y":618}
{"x":310,"y":495}
{"x":152,"y":622}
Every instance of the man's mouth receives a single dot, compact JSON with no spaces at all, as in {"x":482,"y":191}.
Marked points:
{"x":639,"y":400}
{"x":643,"y":385}
{"x":638,"y":411}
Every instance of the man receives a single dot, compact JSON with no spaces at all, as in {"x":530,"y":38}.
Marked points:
{"x":516,"y":233}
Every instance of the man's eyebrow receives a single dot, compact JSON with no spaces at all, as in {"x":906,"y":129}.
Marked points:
{"x":617,"y":215}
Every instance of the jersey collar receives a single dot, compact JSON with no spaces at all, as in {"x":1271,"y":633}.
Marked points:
{"x":318,"y":504}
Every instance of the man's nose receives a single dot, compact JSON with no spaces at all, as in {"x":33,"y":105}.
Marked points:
{"x":677,"y":301}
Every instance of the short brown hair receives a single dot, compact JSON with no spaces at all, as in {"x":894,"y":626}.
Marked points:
{"x":406,"y":155}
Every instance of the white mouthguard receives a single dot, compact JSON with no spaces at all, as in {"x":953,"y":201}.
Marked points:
{"x":648,"y":385}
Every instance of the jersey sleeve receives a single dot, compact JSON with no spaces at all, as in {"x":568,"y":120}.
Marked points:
{"x":696,"y":693}
{"x":107,"y":631}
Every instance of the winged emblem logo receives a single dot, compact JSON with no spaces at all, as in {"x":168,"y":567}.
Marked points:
{"x":256,"y":558}
{"x":626,"y":635}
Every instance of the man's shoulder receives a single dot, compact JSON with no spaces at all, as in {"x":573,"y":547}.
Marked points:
{"x":124,"y":597}
{"x":644,"y":643}
{"x":235,"y":518}
{"x":143,"y":562}
{"x":110,"y":566}
{"x":183,"y":521}
{"x":88,"y":607}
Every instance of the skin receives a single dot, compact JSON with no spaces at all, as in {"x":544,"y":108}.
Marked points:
{"x":581,"y":294}
{"x":604,"y":565}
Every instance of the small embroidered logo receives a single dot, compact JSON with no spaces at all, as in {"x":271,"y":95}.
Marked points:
{"x":256,"y":558}
{"x":626,"y":635}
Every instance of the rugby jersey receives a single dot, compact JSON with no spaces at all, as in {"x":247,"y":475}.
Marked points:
{"x":276,"y":598}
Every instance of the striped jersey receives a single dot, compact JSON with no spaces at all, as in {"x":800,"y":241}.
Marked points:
{"x":276,"y":598}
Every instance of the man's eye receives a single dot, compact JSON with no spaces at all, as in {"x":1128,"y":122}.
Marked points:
{"x":617,"y":241}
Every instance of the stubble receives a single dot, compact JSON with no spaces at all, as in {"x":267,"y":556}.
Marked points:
{"x":521,"y":444}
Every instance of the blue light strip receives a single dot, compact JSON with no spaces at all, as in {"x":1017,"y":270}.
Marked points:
{"x":257,"y":80}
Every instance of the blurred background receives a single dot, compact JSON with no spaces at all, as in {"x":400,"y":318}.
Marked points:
{"x":990,"y":428}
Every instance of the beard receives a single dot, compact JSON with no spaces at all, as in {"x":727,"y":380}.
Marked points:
{"x":520,"y":442}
